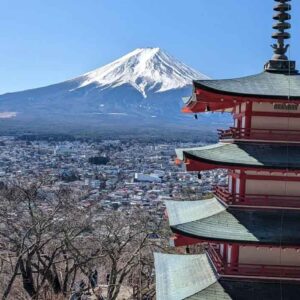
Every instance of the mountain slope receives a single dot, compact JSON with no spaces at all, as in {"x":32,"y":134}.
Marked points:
{"x":147,"y":70}
{"x":141,"y":88}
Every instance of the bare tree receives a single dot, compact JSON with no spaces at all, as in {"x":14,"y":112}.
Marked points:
{"x":50,"y":239}
{"x":37,"y":227}
{"x":126,"y":240}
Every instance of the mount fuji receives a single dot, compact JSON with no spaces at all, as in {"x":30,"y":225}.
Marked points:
{"x":141,"y":88}
{"x":148,"y":70}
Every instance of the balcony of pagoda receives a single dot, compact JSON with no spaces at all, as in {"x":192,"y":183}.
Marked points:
{"x":277,"y":135}
{"x":262,"y":271}
{"x":256,"y":200}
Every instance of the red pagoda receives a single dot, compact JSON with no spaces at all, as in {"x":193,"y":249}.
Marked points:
{"x":250,"y":229}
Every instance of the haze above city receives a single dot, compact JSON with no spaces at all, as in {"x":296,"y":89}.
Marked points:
{"x":51,"y":41}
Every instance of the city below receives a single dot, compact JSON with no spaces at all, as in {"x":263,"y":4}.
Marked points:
{"x":132,"y":174}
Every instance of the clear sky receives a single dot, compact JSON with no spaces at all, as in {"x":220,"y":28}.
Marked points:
{"x":48,"y":41}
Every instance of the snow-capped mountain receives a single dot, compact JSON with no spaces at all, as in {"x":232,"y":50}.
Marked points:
{"x":145,"y":69}
{"x":140,"y":88}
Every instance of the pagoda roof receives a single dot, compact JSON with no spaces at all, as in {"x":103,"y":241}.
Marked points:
{"x":178,"y":277}
{"x":192,"y":277}
{"x":257,"y":155}
{"x":212,"y":221}
{"x":264,"y":85}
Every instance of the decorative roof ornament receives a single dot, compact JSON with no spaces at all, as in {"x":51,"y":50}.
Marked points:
{"x":280,"y":62}
{"x":282,"y":16}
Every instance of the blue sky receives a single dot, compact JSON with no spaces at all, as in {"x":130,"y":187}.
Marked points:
{"x":44,"y":42}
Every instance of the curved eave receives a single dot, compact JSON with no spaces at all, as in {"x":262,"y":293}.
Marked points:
{"x":223,"y":95}
{"x":201,"y":86}
{"x":263,"y":85}
{"x":276,"y":227}
{"x":201,"y":164}
{"x":206,"y":102}
{"x":181,"y":276}
{"x":241,"y":155}
{"x":192,"y":277}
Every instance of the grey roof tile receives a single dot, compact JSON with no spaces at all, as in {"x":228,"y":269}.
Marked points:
{"x":191,"y":277}
{"x":265,"y":84}
{"x":181,"y":212}
{"x":181,"y":276}
{"x":246,"y":154}
{"x":233,"y":224}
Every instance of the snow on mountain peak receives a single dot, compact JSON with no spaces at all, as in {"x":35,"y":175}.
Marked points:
{"x":146,"y":69}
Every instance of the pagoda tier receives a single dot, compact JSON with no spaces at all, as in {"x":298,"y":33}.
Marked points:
{"x":209,"y":220}
{"x":259,"y":175}
{"x":265,"y":107}
{"x":224,"y":95}
{"x":193,"y":277}
{"x":243,"y":243}
{"x":256,"y":156}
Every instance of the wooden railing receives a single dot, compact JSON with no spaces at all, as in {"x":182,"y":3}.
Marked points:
{"x":260,"y":134}
{"x":223,"y":194}
{"x":257,"y":270}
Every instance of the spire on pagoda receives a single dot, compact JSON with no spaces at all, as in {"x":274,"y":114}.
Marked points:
{"x":280,"y":62}
{"x":281,"y":35}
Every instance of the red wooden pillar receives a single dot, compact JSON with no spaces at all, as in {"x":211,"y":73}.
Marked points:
{"x":242,"y":185}
{"x":248,"y":118}
{"x":235,"y":250}
{"x":233,"y":257}
{"x":237,"y":116}
{"x":233,"y":190}
{"x":225,"y":251}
